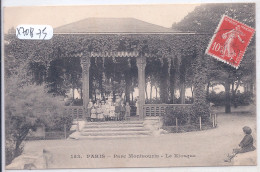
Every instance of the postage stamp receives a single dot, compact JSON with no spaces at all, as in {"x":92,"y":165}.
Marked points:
{"x":230,"y":41}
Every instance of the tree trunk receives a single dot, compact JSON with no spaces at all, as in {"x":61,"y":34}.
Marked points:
{"x":95,"y":95}
{"x":172,"y":94}
{"x":163,"y":85}
{"x":19,"y":141}
{"x":182,"y":93}
{"x":114,"y":95}
{"x":73,"y":96}
{"x":17,"y":151}
{"x":127,"y":85}
{"x":90,"y":89}
{"x":227,"y":97}
{"x":208,"y":85}
{"x":91,"y":78}
{"x":173,"y":81}
{"x":172,"y":89}
{"x":233,"y":94}
{"x":81,"y":93}
{"x":251,"y":86}
{"x":182,"y":80}
{"x":163,"y":92}
{"x":132,"y":95}
{"x":113,"y":87}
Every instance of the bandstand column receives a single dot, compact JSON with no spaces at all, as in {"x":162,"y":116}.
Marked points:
{"x":85,"y":64}
{"x":141,"y":63}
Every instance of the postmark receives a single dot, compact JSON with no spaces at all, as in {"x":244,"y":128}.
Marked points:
{"x":230,"y":41}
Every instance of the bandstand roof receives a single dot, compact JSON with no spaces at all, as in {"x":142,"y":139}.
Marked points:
{"x":110,"y":25}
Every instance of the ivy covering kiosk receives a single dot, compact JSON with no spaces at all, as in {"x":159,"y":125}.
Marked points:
{"x":141,"y":43}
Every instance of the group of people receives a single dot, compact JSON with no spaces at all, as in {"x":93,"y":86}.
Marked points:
{"x":109,"y":110}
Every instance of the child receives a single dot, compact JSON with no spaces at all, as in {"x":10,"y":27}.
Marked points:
{"x":112,"y":112}
{"x":90,"y":105}
{"x":246,"y":145}
{"x":103,"y":109}
{"x":107,"y":110}
{"x":93,"y":113}
{"x":117,"y":111}
{"x":100,"y":115}
{"x":122,"y":111}
{"x":127,"y":111}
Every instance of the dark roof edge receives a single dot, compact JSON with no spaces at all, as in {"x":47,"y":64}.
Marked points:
{"x":132,"y":33}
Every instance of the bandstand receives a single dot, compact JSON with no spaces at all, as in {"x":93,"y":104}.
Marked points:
{"x":112,"y":30}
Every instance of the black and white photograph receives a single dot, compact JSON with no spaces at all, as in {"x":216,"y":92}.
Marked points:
{"x":130,"y":85}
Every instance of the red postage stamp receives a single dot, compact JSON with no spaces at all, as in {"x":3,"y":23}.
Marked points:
{"x":230,"y":41}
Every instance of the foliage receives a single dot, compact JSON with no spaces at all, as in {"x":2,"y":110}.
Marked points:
{"x":59,"y":122}
{"x":200,"y":107}
{"x":159,"y":48}
{"x":63,"y":74}
{"x":241,"y":99}
{"x":182,"y":113}
{"x":10,"y":154}
{"x":26,"y":107}
{"x":204,"y":20}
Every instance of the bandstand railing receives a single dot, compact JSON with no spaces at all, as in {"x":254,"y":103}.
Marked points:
{"x":77,"y":112}
{"x":159,"y":109}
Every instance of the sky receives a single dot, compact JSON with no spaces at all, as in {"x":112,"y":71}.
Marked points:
{"x":163,"y":15}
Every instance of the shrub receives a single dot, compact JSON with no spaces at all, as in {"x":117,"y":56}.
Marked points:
{"x":240,"y":99}
{"x":217,"y":99}
{"x":60,"y":121}
{"x":182,"y":113}
{"x":200,"y":109}
{"x":243,"y":99}
{"x":27,"y":107}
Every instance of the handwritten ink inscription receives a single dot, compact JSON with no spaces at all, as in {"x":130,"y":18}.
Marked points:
{"x":34,"y":32}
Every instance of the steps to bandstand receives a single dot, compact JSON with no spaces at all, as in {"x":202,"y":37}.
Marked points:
{"x":114,"y":129}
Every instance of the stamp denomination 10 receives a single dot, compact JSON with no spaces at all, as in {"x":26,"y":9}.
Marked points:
{"x":230,"y":41}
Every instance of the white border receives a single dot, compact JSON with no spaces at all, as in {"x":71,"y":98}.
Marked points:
{"x":110,"y":2}
{"x":6,"y":3}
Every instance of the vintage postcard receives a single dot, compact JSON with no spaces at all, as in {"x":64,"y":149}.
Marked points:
{"x":116,"y":86}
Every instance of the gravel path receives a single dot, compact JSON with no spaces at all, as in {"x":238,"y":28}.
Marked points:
{"x":200,"y":148}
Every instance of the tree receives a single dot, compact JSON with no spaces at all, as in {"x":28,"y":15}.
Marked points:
{"x":26,"y":107}
{"x":204,"y":19}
